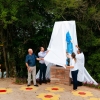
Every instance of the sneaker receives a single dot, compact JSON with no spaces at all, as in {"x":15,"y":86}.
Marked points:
{"x":36,"y":85}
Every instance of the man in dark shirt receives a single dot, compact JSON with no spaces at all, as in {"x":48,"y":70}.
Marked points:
{"x":31,"y":66}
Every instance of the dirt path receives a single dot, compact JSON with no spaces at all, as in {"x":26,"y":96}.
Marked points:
{"x":11,"y":91}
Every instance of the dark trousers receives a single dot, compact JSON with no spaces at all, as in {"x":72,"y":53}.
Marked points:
{"x":74,"y":77}
{"x":43,"y":68}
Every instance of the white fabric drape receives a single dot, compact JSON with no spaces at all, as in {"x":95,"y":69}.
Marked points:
{"x":57,"y":50}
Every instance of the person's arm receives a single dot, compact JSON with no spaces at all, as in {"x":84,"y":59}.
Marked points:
{"x":72,"y":65}
{"x":27,"y":66}
{"x":26,"y":62}
{"x":37,"y":58}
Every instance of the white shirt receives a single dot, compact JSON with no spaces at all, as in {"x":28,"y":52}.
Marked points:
{"x":80,"y":63}
{"x":42,"y":55}
{"x":74,"y":64}
{"x":80,"y":59}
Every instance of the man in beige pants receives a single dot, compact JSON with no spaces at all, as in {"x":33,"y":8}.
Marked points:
{"x":31,"y":66}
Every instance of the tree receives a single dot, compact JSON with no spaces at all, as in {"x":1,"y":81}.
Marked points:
{"x":8,"y":12}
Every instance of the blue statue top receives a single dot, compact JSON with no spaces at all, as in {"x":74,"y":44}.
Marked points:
{"x":69,"y":48}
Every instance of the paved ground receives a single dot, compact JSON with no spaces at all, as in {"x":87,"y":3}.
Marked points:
{"x":61,"y":92}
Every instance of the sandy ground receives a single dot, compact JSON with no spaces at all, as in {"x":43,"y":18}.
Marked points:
{"x":18,"y":94}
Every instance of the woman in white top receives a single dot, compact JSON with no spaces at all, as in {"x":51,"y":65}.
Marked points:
{"x":74,"y":70}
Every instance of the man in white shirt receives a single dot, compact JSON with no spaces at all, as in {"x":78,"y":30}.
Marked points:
{"x":80,"y":64}
{"x":43,"y":67}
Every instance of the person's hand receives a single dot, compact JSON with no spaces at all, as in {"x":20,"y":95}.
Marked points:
{"x":77,"y":46}
{"x":67,"y":66}
{"x":42,"y":58}
{"x":28,"y":68}
{"x":38,"y":59}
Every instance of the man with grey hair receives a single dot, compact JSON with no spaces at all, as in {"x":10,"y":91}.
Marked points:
{"x":31,"y":66}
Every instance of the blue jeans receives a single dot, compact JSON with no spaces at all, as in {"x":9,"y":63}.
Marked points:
{"x":43,"y":68}
{"x":74,"y":77}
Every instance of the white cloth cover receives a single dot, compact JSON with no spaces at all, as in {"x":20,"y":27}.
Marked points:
{"x":57,"y":49}
{"x":57,"y":46}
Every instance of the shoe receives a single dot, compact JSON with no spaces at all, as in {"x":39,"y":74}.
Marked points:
{"x":40,"y":83}
{"x":45,"y":82}
{"x":36,"y":85}
{"x":28,"y":84}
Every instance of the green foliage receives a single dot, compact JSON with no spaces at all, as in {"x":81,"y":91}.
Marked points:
{"x":94,"y":64}
{"x":8,"y":11}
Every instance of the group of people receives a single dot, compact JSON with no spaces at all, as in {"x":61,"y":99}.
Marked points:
{"x":76,"y":67}
{"x":31,"y":66}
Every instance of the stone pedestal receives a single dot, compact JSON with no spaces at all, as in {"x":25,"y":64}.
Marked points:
{"x":59,"y":75}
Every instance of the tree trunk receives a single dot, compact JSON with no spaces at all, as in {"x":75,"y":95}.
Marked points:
{"x":2,"y":38}
{"x":5,"y":61}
